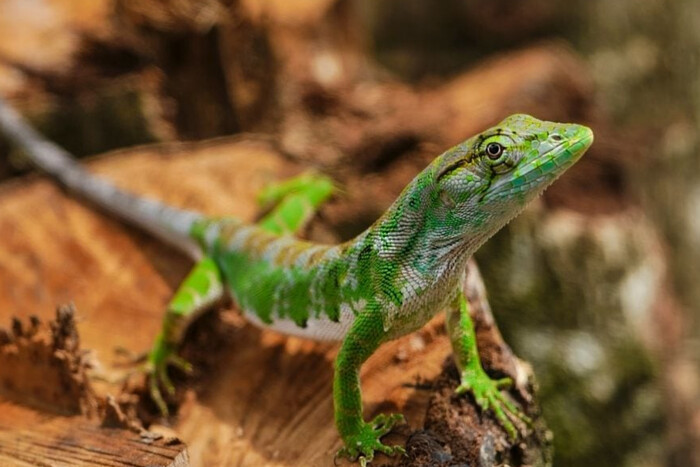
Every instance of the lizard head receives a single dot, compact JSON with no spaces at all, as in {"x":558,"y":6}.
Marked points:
{"x":484,"y":182}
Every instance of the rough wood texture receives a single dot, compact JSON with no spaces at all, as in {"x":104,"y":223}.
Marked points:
{"x":43,"y":366}
{"x":29,"y":438}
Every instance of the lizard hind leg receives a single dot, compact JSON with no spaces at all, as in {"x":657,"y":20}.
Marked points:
{"x":202,"y":288}
{"x":293,"y":202}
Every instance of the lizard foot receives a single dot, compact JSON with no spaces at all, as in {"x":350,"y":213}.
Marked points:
{"x":362,"y":445}
{"x":487,"y":394}
{"x":161,"y":356}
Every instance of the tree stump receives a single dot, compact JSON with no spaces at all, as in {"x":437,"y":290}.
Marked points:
{"x":259,"y":398}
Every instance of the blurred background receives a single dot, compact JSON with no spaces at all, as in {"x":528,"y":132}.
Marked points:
{"x":596,"y":285}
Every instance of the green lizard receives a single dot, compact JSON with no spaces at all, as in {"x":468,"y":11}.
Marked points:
{"x":385,"y":283}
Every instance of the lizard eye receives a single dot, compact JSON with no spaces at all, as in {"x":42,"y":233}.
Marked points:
{"x":494,"y":151}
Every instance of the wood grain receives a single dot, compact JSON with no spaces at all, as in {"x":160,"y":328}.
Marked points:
{"x":29,"y":438}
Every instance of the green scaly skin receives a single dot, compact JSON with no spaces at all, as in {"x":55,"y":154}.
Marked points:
{"x":385,"y":283}
{"x":406,"y":267}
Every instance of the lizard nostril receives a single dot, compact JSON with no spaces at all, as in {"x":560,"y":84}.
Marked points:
{"x":556,"y":137}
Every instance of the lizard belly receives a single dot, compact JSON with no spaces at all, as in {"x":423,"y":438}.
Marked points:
{"x":416,"y":315}
{"x":319,"y":329}
{"x":421,"y":308}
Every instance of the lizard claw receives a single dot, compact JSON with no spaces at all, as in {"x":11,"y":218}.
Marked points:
{"x":487,"y":395}
{"x":362,"y":445}
{"x":180,"y":363}
{"x":161,"y":356}
{"x":156,"y":395}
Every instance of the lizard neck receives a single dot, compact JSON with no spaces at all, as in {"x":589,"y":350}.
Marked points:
{"x":420,"y":231}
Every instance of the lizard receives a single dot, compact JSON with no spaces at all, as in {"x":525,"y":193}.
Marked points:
{"x":386,"y":282}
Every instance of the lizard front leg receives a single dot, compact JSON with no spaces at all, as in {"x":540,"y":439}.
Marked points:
{"x":361,"y":438}
{"x":486,"y":391}
{"x":202,"y":287}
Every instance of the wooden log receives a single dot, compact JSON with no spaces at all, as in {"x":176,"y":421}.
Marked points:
{"x":260,"y":398}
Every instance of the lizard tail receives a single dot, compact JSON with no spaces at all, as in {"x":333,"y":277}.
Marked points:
{"x":166,"y":223}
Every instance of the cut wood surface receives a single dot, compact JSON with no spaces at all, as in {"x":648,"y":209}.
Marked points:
{"x":269,"y":401}
{"x":259,"y":398}
{"x":29,"y":438}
